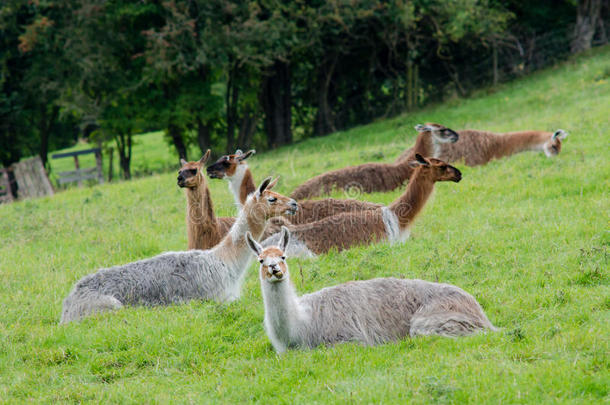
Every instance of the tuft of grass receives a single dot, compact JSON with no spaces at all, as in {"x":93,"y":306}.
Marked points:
{"x":527,"y":236}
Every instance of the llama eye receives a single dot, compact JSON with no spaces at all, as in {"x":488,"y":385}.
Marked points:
{"x":283,"y":257}
{"x":272,"y":199}
{"x":261,"y":260}
{"x":193,"y":171}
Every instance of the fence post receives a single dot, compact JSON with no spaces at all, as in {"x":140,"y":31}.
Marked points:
{"x":98,"y":165}
{"x":110,"y":163}
{"x":77,"y":165}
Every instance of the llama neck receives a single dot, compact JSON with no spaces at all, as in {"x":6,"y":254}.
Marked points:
{"x":515,"y":142}
{"x":202,"y":227}
{"x":241,"y":184}
{"x":233,"y":249}
{"x":424,"y":146}
{"x":403,"y":170}
{"x":409,"y":205}
{"x":283,"y":313}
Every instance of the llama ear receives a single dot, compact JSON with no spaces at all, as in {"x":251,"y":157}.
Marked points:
{"x":273,"y":183}
{"x":238,"y":152}
{"x":244,"y":156}
{"x":284,"y":238}
{"x":256,"y":248}
{"x":560,"y":134}
{"x":205,"y":157}
{"x":263,"y":186}
{"x":419,"y":161}
{"x":420,"y":128}
{"x":183,"y":162}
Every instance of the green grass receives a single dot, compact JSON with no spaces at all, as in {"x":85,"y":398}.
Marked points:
{"x":527,"y":236}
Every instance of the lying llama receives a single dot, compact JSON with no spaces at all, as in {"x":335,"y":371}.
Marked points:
{"x":391,"y":223}
{"x":430,"y":142}
{"x":235,"y":170}
{"x":480,"y":147}
{"x":203,"y":229}
{"x":370,"y":312}
{"x":370,"y":177}
{"x":175,"y":277}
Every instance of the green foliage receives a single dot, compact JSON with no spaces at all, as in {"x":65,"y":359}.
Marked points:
{"x":527,"y":236}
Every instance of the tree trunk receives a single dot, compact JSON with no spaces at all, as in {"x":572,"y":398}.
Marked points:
{"x":276,"y":100}
{"x":232,"y":98}
{"x":175,"y":133}
{"x":588,"y":14}
{"x":247,"y":128}
{"x":325,"y":122}
{"x":46,"y":125}
{"x":204,"y":135}
{"x":123,"y":143}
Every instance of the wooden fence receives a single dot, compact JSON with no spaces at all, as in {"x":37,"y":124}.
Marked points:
{"x":78,"y":175}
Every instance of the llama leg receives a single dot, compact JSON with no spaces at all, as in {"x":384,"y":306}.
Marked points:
{"x":84,"y":303}
{"x":448,"y":324}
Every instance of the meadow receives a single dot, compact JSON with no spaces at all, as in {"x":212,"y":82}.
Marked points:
{"x":527,"y":236}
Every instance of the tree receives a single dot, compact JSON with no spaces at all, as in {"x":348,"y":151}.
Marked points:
{"x":588,"y":18}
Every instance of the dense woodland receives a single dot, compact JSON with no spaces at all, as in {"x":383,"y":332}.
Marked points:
{"x":229,"y":73}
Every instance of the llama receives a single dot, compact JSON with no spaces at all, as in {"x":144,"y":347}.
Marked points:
{"x":430,"y":142}
{"x":203,"y":229}
{"x":480,"y":147}
{"x":390,"y":223}
{"x":370,"y":312}
{"x":371,"y":177}
{"x":175,"y":277}
{"x":235,"y":170}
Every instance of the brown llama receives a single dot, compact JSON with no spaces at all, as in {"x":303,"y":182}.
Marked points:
{"x":391,"y":223}
{"x":371,"y":177}
{"x":430,"y":141}
{"x":480,"y":147}
{"x":204,"y":230}
{"x":235,"y":170}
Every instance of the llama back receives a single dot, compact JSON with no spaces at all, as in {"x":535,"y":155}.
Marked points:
{"x":313,"y":210}
{"x":367,"y":178}
{"x":172,"y":277}
{"x":473,"y":147}
{"x":340,"y":231}
{"x":381,"y":310}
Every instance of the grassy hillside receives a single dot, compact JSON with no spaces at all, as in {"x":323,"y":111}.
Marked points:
{"x":527,"y":236}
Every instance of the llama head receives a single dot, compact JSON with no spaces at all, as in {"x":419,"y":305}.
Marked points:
{"x":272,"y":259}
{"x":228,"y":165}
{"x":265,"y":204}
{"x":552,"y":147}
{"x":190,"y":174}
{"x":435,"y":169}
{"x":440,"y":133}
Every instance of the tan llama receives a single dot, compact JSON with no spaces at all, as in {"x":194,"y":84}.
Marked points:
{"x":370,"y":312}
{"x":480,"y":147}
{"x":371,"y":177}
{"x":204,"y":230}
{"x":391,"y":223}
{"x":235,"y":170}
{"x":176,"y":277}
